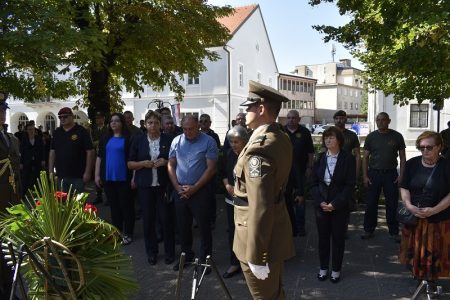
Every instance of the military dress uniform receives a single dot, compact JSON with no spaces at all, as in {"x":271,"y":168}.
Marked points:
{"x":263,"y":230}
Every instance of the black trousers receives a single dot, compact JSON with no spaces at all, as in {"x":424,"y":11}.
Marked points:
{"x":121,"y":204}
{"x":230,"y":219}
{"x":166,"y":215}
{"x":331,"y":227}
{"x":198,"y":207}
{"x":29,"y":175}
{"x":148,"y":199}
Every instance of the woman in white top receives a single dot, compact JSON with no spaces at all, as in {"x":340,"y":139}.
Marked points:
{"x":148,"y":158}
{"x":333,"y":181}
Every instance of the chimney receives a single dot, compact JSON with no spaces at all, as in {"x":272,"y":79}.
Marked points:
{"x":346,"y":62}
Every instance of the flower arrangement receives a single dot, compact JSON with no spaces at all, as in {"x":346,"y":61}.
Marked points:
{"x":90,"y":249}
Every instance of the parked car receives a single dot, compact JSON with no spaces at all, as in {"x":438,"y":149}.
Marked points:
{"x":320,"y":129}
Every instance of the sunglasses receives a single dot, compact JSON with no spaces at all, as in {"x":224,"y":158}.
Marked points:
{"x":204,"y":121}
{"x":63,"y":116}
{"x":423,"y":148}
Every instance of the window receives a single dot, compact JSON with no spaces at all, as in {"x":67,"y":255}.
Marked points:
{"x":345,"y":105}
{"x":297,"y":86}
{"x":186,"y":113}
{"x":418,"y":116}
{"x":284,"y":84}
{"x":301,"y":87}
{"x":193,"y":80}
{"x":241,"y":75}
{"x":289,"y":85}
{"x":356,"y":106}
{"x":339,"y":105}
{"x":351,"y":105}
{"x":23,"y":120}
{"x":50,"y":123}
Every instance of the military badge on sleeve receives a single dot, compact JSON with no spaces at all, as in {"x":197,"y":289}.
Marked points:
{"x":254,"y":166}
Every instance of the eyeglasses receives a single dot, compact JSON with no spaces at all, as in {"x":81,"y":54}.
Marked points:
{"x":423,"y":148}
{"x":204,"y":121}
{"x":63,"y":116}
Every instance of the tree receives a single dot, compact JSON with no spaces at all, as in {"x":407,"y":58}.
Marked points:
{"x":404,"y":45}
{"x":99,"y":48}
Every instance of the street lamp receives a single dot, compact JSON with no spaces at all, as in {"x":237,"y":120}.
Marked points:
{"x":159,"y":103}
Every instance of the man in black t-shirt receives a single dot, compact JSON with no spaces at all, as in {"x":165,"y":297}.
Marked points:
{"x":351,"y":144}
{"x":302,"y":161}
{"x":381,"y":149}
{"x":71,"y":152}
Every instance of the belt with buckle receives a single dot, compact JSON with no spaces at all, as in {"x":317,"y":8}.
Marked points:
{"x":240,"y":201}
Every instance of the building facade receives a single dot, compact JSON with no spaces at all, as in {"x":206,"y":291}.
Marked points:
{"x":301,"y":92}
{"x":339,"y":86}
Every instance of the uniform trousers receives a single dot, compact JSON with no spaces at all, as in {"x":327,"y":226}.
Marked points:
{"x":231,"y":227}
{"x":382,"y":180}
{"x":331,"y":227}
{"x":121,"y":205}
{"x":197,"y":207}
{"x":270,"y":288}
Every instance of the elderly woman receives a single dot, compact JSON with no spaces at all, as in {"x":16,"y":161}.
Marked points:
{"x":425,"y":193}
{"x":238,"y":138}
{"x":148,"y":158}
{"x":333,"y":180}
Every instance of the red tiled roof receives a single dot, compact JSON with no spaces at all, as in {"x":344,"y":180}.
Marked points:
{"x":235,"y":20}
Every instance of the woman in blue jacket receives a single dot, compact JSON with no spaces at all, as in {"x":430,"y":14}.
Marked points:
{"x":148,"y":158}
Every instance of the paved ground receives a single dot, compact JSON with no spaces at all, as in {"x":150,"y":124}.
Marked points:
{"x":370,"y":271}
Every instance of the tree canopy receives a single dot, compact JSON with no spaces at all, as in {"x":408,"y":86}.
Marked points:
{"x":100,"y":48}
{"x":404,"y":45}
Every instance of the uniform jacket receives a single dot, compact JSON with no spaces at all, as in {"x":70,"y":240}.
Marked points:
{"x":8,"y":196}
{"x":342,"y":183}
{"x":263,"y":230}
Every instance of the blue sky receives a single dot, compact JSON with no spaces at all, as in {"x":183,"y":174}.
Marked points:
{"x":293,"y":40}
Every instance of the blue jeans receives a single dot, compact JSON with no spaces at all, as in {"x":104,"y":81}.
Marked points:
{"x":382,"y":179}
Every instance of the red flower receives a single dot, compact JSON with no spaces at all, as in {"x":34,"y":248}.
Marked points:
{"x":38,"y":203}
{"x":60,"y":196}
{"x":91,"y":208}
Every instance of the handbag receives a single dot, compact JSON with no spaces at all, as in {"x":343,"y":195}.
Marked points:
{"x":404,"y":216}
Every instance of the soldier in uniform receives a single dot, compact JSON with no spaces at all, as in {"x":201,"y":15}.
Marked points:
{"x":9,"y":185}
{"x":263,"y":234}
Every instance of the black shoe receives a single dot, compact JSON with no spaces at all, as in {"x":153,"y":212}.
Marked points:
{"x":322,"y":277}
{"x":152,"y":260}
{"x":169,"y":260}
{"x":335,"y":279}
{"x":227,"y":274}
{"x":367,"y":235}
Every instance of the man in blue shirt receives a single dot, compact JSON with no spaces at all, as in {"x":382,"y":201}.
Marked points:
{"x":192,"y":163}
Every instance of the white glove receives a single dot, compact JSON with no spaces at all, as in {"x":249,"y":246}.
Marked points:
{"x":260,"y":272}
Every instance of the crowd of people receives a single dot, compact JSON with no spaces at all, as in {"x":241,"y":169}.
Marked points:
{"x":170,"y":175}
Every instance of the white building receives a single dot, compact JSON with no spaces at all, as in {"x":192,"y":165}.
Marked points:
{"x":410,"y":120}
{"x":218,"y":91}
{"x":339,"y":86}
